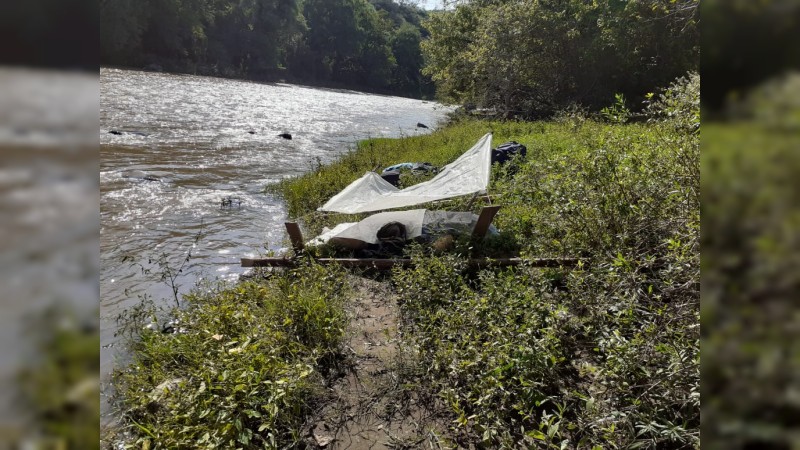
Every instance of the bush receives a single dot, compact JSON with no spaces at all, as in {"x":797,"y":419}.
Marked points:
{"x":775,"y":104}
{"x":679,"y":104}
{"x":61,"y":389}
{"x":751,"y":277}
{"x":244,"y":366}
{"x":605,"y":354}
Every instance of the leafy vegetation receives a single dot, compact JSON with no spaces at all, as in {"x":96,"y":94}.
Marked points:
{"x":61,"y":388}
{"x":373,"y":45}
{"x":605,"y":355}
{"x":750,"y":270}
{"x":241,"y":366}
{"x":739,"y":50}
{"x":532,"y":58}
{"x":676,"y":107}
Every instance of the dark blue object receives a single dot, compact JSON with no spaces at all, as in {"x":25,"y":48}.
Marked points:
{"x":508,"y":150}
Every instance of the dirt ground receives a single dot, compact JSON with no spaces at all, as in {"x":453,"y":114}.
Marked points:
{"x":368,"y":407}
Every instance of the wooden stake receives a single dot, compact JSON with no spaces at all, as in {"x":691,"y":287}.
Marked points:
{"x":295,"y":236}
{"x":484,"y":221}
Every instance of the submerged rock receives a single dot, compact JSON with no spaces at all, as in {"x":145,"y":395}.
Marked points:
{"x":135,"y":133}
{"x":140,"y":175}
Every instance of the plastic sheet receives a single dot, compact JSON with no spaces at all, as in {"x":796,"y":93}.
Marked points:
{"x":467,"y":175}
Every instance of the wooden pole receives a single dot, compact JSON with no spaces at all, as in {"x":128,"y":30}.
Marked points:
{"x":387,"y":264}
{"x":484,"y":221}
{"x":295,"y":236}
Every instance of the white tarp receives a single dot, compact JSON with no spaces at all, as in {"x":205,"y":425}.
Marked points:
{"x":469,"y":174}
{"x":417,"y":222}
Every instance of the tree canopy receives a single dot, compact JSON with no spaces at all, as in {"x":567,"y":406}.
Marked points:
{"x":746,"y":43}
{"x":522,"y":58}
{"x":370,"y":44}
{"x":533,"y":57}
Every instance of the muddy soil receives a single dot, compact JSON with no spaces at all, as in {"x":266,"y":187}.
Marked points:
{"x":369,"y":409}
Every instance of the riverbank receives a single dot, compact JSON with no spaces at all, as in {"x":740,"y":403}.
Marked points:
{"x":606,"y":354}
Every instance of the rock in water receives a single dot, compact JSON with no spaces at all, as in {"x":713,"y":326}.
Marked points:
{"x":139,"y":175}
{"x":285,"y":135}
{"x":136,"y":133}
{"x":421,"y":125}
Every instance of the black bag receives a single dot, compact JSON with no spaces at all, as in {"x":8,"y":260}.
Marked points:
{"x":392,"y":176}
{"x":506,"y":151}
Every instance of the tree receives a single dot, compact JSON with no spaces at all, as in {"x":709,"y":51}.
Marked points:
{"x":376,"y":60}
{"x":533,"y":57}
{"x":408,"y":55}
{"x":746,"y":43}
{"x":333,"y":34}
{"x":447,"y":55}
{"x":122,"y":23}
{"x":273,"y":25}
{"x":348,"y":40}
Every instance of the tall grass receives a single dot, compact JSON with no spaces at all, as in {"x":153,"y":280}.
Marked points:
{"x":304,"y":194}
{"x":61,"y":389}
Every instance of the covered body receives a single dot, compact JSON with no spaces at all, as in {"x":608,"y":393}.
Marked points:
{"x":417,"y":223}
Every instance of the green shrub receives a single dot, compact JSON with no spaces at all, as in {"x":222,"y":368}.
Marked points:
{"x":244,"y":366}
{"x":678,"y":104}
{"x":617,"y":112}
{"x":603,"y":355}
{"x":774,"y":104}
{"x":751,"y":277}
{"x":61,"y":388}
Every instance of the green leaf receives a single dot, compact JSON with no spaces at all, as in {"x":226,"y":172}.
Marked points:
{"x":204,"y":438}
{"x":538,"y":435}
{"x":252,"y":413}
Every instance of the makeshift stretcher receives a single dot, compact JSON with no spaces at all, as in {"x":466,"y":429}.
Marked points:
{"x":467,"y":175}
{"x":481,"y":227}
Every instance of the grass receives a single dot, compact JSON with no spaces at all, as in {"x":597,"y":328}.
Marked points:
{"x":306,"y":193}
{"x":61,"y":388}
{"x":603,"y":356}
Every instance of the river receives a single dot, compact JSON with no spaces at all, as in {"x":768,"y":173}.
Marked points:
{"x":172,"y":147}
